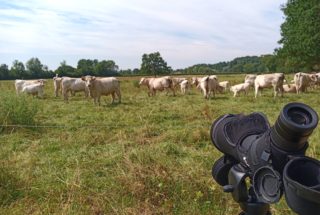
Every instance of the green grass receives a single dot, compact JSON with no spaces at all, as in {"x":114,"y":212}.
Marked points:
{"x":147,"y":155}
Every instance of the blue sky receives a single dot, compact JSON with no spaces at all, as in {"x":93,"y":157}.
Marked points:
{"x":185,"y":32}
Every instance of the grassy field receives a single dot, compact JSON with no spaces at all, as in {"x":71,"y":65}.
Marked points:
{"x":147,"y":155}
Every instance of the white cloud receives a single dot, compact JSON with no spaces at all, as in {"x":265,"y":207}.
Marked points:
{"x":185,"y":32}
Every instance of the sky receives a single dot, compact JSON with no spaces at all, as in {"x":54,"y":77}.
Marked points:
{"x":185,"y":32}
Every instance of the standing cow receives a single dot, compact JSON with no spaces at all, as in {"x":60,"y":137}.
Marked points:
{"x":102,"y":86}
{"x":154,"y":84}
{"x":57,"y":85}
{"x":208,"y":85}
{"x":274,"y":80}
{"x":73,"y":85}
{"x":303,"y":80}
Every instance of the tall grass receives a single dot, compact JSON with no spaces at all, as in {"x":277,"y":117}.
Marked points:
{"x":18,"y":109}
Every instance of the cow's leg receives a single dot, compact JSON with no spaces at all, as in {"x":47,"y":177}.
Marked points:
{"x":65,"y":95}
{"x":256,"y":91}
{"x":113,"y":96}
{"x":118,"y":95}
{"x":174,"y":92}
{"x":275,"y":90}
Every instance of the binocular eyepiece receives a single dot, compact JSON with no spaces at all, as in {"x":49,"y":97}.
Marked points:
{"x":272,"y":157}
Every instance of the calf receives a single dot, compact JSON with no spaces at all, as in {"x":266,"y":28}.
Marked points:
{"x":240,"y":87}
{"x":289,"y":88}
{"x":34,"y":89}
{"x":223,"y":86}
{"x":103,"y":86}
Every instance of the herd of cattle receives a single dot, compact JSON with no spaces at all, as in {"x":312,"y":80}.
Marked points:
{"x":95,"y":87}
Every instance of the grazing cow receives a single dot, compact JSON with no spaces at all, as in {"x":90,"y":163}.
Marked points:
{"x":289,"y":88}
{"x":250,"y":79}
{"x":34,"y":89}
{"x":57,"y":85}
{"x":102,"y":86}
{"x":73,"y":85}
{"x":184,"y":86}
{"x":240,"y":87}
{"x":303,"y":81}
{"x":223,"y":86}
{"x":154,"y":84}
{"x":19,"y":84}
{"x":274,"y":80}
{"x":208,"y":85}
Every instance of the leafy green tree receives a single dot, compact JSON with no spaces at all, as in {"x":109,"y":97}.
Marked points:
{"x":18,"y":70}
{"x":106,"y":68}
{"x":300,"y":35}
{"x":35,"y":69}
{"x":66,"y":70}
{"x":4,"y":72}
{"x":86,"y":67}
{"x":153,"y":64}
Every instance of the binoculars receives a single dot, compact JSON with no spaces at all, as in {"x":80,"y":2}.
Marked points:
{"x":261,"y":162}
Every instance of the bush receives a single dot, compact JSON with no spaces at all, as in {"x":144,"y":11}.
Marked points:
{"x":18,"y":110}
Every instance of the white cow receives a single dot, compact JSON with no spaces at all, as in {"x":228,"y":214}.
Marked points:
{"x":177,"y":81}
{"x":208,"y":85}
{"x":184,"y":85}
{"x":250,"y":79}
{"x":274,"y":80}
{"x":195,"y":81}
{"x":73,"y":85}
{"x":57,"y":85}
{"x":34,"y":89}
{"x":303,"y":81}
{"x":289,"y":88}
{"x":154,"y":84}
{"x":240,"y":87}
{"x":225,"y":85}
{"x":19,"y":84}
{"x":102,"y":86}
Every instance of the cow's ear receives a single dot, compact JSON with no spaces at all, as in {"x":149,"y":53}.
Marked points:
{"x":83,"y":78}
{"x":93,"y":78}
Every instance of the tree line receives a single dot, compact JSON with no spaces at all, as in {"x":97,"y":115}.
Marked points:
{"x":299,"y":50}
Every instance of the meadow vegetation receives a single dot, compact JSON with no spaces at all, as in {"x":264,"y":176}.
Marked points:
{"x":147,"y":155}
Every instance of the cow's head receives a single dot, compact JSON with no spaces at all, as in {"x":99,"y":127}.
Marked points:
{"x":143,"y":81}
{"x":89,"y":80}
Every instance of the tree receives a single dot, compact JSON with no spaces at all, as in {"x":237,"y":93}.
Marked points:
{"x":300,"y":34}
{"x":86,"y":66}
{"x":35,"y":69}
{"x":65,"y":70}
{"x":153,"y":64}
{"x":18,"y":70}
{"x":4,"y":72}
{"x":106,"y":68}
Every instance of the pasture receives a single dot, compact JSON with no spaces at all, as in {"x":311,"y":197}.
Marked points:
{"x":147,"y":155}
